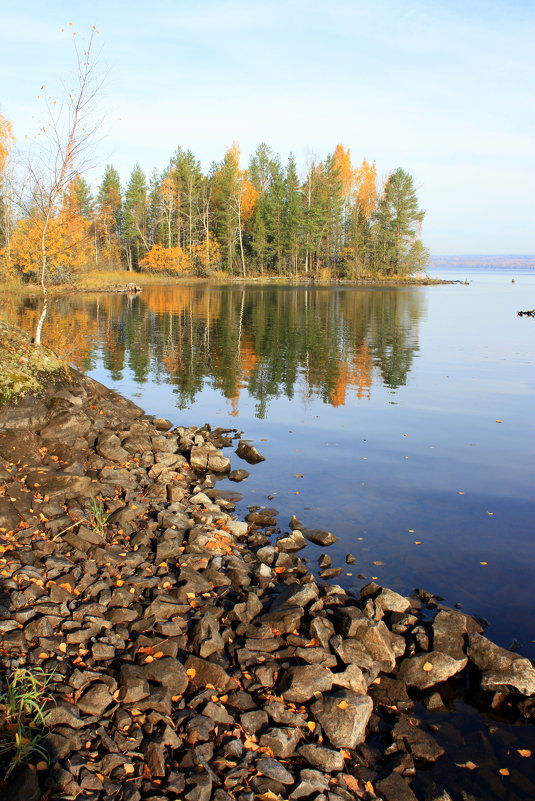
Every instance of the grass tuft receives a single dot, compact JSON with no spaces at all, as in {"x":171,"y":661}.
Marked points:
{"x":23,"y":713}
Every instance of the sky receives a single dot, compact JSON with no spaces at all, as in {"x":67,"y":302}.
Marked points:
{"x":443,"y":89}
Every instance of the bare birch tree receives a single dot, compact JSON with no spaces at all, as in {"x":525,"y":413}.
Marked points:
{"x":68,"y":135}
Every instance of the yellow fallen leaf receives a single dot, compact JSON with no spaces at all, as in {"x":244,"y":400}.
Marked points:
{"x":369,"y":787}
{"x":469,"y":765}
{"x":499,"y":421}
{"x":483,"y":563}
{"x":524,"y":752}
{"x":417,"y":542}
{"x":311,"y":725}
{"x":63,"y":647}
{"x":342,"y":705}
{"x":427,"y":667}
{"x":378,"y":563}
{"x":191,"y":672}
{"x":460,"y":493}
{"x":504,"y":772}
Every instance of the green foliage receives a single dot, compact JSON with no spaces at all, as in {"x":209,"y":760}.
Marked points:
{"x":23,"y":712}
{"x":397,"y":227}
{"x":98,"y":518}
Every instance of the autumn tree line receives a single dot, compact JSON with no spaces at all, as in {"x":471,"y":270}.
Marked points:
{"x":334,"y":220}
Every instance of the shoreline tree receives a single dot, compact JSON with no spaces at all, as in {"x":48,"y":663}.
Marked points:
{"x":68,"y":135}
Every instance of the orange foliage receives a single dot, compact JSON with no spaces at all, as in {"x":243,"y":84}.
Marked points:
{"x":249,"y":196}
{"x":67,"y":243}
{"x":342,"y":162}
{"x":366,"y":182}
{"x":166,"y":260}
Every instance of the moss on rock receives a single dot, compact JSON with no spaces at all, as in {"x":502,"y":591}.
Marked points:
{"x":24,"y":366}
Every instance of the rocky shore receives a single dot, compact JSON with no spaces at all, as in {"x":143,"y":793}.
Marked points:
{"x":195,"y":656}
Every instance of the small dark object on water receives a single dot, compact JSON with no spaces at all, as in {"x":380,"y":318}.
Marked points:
{"x":527,"y":313}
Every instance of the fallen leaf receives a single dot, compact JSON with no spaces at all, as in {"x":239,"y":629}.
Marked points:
{"x":504,"y":772}
{"x":311,"y":725}
{"x":469,"y":765}
{"x":483,"y":563}
{"x":191,"y":672}
{"x":378,"y":563}
{"x":342,"y":705}
{"x":351,"y":783}
{"x":427,"y":667}
{"x":524,"y":752}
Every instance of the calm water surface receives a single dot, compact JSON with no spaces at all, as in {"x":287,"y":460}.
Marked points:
{"x":401,"y":419}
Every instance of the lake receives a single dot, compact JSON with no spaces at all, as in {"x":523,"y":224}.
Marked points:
{"x":399,"y":418}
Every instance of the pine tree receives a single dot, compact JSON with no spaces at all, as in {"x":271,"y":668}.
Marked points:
{"x":136,"y":214}
{"x":398,"y":249}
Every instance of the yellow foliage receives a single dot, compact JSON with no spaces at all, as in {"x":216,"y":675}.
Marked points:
{"x":206,"y":255}
{"x":6,"y":140}
{"x":366,"y":183}
{"x":166,"y":260}
{"x":342,"y":162}
{"x":67,"y":244}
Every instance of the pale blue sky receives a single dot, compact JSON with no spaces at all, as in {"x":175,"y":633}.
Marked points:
{"x":442,"y":89}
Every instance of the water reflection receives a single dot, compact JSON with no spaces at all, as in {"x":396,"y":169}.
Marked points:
{"x":266,"y":341}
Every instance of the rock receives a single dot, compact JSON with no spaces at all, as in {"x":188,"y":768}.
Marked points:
{"x":57,"y":483}
{"x":9,"y":518}
{"x":352,"y":679}
{"x":302,"y":682}
{"x":395,"y":788}
{"x":254,"y":721}
{"x":274,"y":770}
{"x":205,"y":672}
{"x":238,"y":475}
{"x":249,"y":453}
{"x":426,"y":670}
{"x":282,"y":742}
{"x":323,"y":758}
{"x":343,"y":717}
{"x":64,"y":714}
{"x":23,"y":786}
{"x":449,"y":629}
{"x":318,"y":536}
{"x":290,"y":543}
{"x":66,"y":426}
{"x":155,"y":759}
{"x":419,"y":743}
{"x":133,"y":685}
{"x":95,"y":700}
{"x":390,"y":601}
{"x":501,"y":670}
{"x":372,"y":635}
{"x":310,"y":781}
{"x":169,"y":672}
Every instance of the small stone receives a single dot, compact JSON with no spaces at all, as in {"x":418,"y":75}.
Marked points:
{"x":302,"y":682}
{"x":282,"y":742}
{"x":274,"y":770}
{"x":318,"y":536}
{"x":501,"y":670}
{"x":95,"y":700}
{"x":310,"y":781}
{"x":323,"y":758}
{"x":343,"y":717}
{"x":249,"y":453}
{"x":426,"y":670}
{"x":395,"y":788}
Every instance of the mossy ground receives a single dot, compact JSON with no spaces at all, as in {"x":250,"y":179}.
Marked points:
{"x":24,"y":366}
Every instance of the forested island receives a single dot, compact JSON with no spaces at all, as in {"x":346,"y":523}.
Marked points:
{"x":330,"y":219}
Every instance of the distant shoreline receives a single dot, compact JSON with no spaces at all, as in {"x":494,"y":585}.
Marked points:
{"x":483,"y":260}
